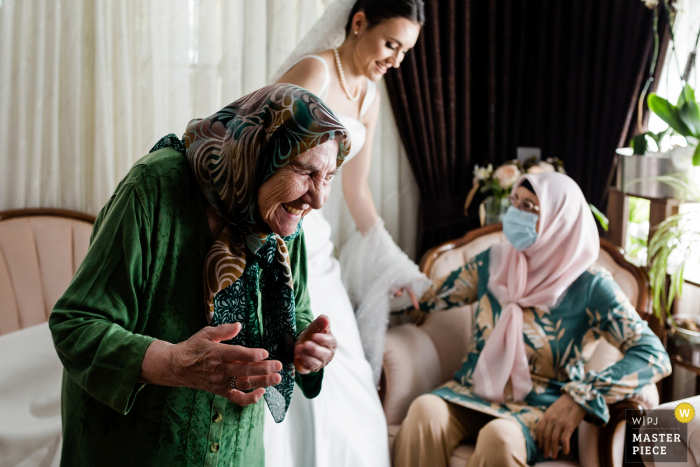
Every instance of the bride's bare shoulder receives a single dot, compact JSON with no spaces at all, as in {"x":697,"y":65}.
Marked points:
{"x":328,"y":56}
{"x":309,"y":73}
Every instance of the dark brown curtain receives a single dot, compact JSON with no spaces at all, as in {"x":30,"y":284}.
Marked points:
{"x":488,"y":76}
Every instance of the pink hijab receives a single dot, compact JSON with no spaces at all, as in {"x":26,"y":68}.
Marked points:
{"x":567,"y":245}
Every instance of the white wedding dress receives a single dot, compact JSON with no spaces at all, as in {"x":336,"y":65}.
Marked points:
{"x":345,"y":424}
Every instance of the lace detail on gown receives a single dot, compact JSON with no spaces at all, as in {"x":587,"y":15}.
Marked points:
{"x":372,"y":265}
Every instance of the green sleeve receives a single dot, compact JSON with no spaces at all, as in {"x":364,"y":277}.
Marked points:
{"x":458,"y":288}
{"x":93,"y":323}
{"x":645,"y":360}
{"x":310,"y":384}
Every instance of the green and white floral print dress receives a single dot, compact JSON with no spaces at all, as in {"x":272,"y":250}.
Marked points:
{"x":558,"y":341}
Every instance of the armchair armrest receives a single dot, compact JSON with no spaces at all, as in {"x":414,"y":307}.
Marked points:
{"x":611,"y":441}
{"x":411,"y":367}
{"x":611,"y":438}
{"x":603,"y":446}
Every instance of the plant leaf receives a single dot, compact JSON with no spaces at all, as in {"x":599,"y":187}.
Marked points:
{"x":666,"y":239}
{"x":687,"y":95}
{"x":689,"y":113}
{"x":639,"y":144}
{"x":679,"y":181}
{"x":696,"y":156}
{"x":600,"y":216}
{"x":668,"y":113}
{"x":659,"y":136}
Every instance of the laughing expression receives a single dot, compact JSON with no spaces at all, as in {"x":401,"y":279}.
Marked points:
{"x":297,"y":188}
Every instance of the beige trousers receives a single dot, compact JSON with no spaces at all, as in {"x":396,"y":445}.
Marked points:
{"x":434,"y":428}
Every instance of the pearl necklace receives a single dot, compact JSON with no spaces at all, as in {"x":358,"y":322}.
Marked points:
{"x":341,"y":74}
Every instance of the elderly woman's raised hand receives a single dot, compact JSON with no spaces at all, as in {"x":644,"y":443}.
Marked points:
{"x":202,"y":362}
{"x":557,"y":425}
{"x":315,"y":347}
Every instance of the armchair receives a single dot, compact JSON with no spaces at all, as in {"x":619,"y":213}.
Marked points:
{"x":40,"y":250}
{"x":419,"y":358}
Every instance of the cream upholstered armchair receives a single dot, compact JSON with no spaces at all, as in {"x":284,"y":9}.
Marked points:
{"x":419,"y":358}
{"x":40,"y":250}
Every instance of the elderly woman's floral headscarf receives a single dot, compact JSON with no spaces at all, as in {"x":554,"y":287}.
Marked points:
{"x":232,"y":153}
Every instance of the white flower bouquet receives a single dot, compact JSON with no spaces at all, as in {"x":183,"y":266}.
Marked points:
{"x":498,"y":183}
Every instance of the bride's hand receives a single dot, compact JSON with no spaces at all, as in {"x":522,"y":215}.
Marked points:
{"x":316,"y":347}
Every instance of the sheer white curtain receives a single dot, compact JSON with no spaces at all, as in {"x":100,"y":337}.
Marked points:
{"x":88,"y":86}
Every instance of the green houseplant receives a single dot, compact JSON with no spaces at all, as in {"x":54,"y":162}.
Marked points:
{"x":683,"y":118}
{"x":669,"y":252}
{"x":671,"y":245}
{"x":676,"y":235}
{"x":675,"y":238}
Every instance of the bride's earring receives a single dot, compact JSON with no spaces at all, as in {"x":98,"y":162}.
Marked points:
{"x":356,"y":33}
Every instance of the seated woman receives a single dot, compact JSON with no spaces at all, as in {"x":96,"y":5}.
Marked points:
{"x":542,"y":306}
{"x":200,"y":247}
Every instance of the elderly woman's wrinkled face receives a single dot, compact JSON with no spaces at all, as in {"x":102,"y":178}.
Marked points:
{"x":297,"y":188}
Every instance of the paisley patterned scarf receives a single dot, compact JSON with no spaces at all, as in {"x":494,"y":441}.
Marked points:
{"x":232,"y":153}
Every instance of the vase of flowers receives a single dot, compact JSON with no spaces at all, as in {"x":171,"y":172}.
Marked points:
{"x":497,"y":185}
{"x":494,"y":208}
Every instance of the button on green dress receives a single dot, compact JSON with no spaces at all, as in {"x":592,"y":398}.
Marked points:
{"x":142,"y":280}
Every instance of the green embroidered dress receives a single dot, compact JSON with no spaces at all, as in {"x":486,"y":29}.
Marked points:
{"x":142,"y":280}
{"x":558,"y":342}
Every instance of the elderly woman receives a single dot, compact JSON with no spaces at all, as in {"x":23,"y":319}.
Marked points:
{"x":542,"y":306}
{"x":191,"y":303}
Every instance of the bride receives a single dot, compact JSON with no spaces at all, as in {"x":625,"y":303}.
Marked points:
{"x":350,"y":48}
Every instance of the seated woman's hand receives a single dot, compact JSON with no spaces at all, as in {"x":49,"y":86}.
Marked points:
{"x":315,"y":347}
{"x":557,"y":425}
{"x":202,"y":362}
{"x":399,"y":293}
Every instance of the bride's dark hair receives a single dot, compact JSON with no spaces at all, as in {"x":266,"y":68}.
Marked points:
{"x":377,"y":11}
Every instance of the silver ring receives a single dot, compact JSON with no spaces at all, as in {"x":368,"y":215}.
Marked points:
{"x":232,"y":382}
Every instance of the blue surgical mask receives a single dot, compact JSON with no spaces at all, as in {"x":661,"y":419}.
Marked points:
{"x":519,"y":228}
